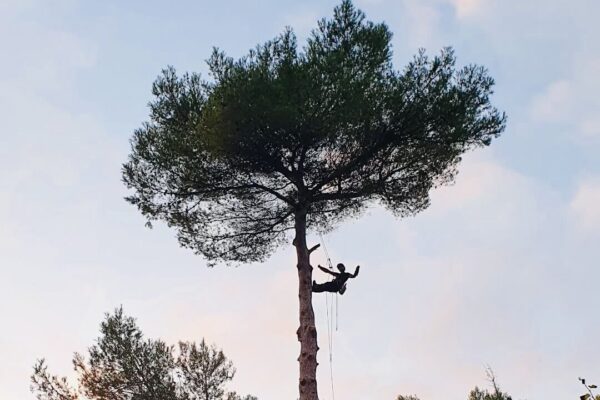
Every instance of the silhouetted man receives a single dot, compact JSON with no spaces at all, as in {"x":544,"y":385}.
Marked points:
{"x":338,"y":284}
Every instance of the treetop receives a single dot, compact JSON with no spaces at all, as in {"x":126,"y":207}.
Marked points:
{"x":321,"y":131}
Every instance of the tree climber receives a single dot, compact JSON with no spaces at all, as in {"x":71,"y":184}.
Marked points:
{"x":338,"y":283}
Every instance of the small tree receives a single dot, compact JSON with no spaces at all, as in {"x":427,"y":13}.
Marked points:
{"x":285,"y":141}
{"x":203,"y":371}
{"x":495,"y":394}
{"x":122,"y":365}
{"x":482,"y":394}
{"x":476,"y":393}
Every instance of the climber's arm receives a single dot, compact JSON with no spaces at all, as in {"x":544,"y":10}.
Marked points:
{"x":328,"y":271}
{"x":356,"y":271}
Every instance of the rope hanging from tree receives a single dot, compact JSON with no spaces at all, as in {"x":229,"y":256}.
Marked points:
{"x":336,"y":285}
{"x":330,"y":320}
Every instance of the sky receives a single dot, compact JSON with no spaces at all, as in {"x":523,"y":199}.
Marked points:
{"x":501,"y":270}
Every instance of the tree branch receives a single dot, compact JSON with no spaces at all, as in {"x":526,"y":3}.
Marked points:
{"x":217,"y":189}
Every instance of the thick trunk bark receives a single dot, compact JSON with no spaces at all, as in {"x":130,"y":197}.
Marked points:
{"x":307,"y":332}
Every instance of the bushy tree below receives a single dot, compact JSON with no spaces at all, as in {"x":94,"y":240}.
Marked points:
{"x":123,"y":365}
{"x":476,"y":393}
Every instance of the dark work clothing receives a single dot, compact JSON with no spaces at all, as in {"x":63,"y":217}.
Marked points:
{"x":336,"y":285}
{"x":331,"y":286}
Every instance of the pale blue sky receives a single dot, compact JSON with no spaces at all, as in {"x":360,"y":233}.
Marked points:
{"x":501,"y":270}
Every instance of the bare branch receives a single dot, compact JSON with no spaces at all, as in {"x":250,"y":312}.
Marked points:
{"x":316,"y":246}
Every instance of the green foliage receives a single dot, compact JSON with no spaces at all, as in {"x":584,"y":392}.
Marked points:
{"x":123,"y":365}
{"x":495,"y":394}
{"x":589,"y":395}
{"x":235,"y":396}
{"x":321,"y":131}
{"x":203,"y":371}
{"x":50,"y":387}
{"x":476,"y":393}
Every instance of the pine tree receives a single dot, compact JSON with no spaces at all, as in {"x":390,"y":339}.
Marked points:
{"x":285,"y":141}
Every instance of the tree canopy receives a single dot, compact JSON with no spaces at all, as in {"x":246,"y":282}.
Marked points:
{"x":324,"y":130}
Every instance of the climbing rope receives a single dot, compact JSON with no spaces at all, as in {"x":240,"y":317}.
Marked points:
{"x":330,"y":265}
{"x":330,"y":320}
{"x":326,"y":252}
{"x":336,"y":312}
{"x":330,"y":341}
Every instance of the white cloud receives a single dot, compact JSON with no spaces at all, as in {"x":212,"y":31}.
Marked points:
{"x":44,"y":58}
{"x":573,"y":101}
{"x":423,"y":23}
{"x":585,"y":73}
{"x":555,"y":103}
{"x":591,"y":127}
{"x":585,"y":205}
{"x":467,"y":8}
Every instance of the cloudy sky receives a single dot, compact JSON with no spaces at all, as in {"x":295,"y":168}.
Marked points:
{"x":501,"y":270}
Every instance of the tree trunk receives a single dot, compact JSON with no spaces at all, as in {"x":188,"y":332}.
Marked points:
{"x":307,"y":332}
